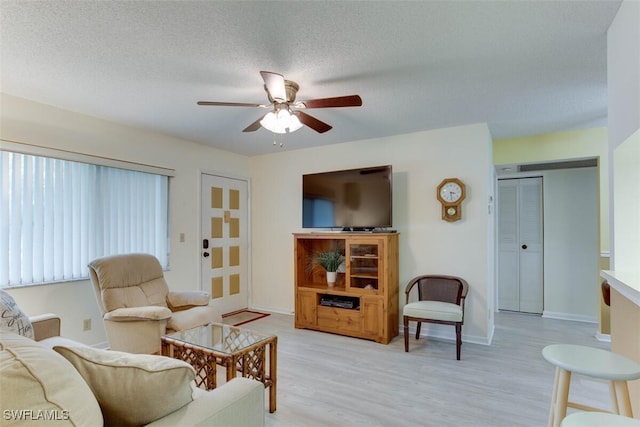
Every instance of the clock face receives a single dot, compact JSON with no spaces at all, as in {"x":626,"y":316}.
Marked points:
{"x":451,"y":192}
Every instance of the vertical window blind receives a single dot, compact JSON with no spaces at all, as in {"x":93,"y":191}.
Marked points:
{"x":58,"y":215}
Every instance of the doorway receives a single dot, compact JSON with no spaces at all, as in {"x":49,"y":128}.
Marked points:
{"x":520,"y":245}
{"x":570,"y":265}
{"x":224,"y":262}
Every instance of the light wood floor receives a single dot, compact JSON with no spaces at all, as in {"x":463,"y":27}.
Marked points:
{"x":331,"y":380}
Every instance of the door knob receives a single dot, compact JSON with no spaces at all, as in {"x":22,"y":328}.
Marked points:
{"x":524,"y":246}
{"x":206,"y":254}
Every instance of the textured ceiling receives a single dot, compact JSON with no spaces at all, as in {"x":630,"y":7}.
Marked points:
{"x":523,"y":67}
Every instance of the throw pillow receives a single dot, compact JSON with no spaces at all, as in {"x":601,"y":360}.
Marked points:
{"x":12,"y":319}
{"x":40,"y":387}
{"x":132,"y":389}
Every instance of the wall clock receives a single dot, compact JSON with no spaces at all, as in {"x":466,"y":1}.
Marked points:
{"x":451,"y":193}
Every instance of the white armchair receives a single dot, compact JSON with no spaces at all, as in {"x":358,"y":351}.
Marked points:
{"x":137,"y":306}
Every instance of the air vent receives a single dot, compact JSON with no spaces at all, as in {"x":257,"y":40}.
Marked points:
{"x":570,"y":164}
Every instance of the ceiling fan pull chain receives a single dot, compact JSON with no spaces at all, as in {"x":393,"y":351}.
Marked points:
{"x":277,"y":136}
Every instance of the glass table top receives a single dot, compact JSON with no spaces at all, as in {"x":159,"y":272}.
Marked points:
{"x":221,"y":338}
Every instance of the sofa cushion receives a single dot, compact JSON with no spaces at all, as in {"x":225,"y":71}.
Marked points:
{"x":132,"y":389}
{"x":38,"y":384}
{"x":12,"y":319}
{"x":54,"y":341}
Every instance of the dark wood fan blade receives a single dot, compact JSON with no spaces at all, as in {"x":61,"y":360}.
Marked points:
{"x":339,"y":101}
{"x":253,"y":126}
{"x":275,"y":85}
{"x":312,"y":122}
{"x":229,"y":104}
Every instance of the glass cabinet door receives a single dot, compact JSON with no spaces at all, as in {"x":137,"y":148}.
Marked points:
{"x":364,"y":266}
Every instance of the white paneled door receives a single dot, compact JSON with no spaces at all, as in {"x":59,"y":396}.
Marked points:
{"x":520,"y":245}
{"x":224,"y":242}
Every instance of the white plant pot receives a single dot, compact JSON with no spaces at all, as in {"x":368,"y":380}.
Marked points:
{"x":331,"y":278}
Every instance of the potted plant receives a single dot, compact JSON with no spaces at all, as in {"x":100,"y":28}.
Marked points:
{"x":330,"y":260}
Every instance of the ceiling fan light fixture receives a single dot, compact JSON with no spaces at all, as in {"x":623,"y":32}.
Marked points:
{"x":294,"y":123}
{"x":282,"y":97}
{"x":281,"y":121}
{"x":269,"y":121}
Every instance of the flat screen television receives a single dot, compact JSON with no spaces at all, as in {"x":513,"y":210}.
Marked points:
{"x":354,"y":199}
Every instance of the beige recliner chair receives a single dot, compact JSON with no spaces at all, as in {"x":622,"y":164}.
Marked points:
{"x":137,"y":306}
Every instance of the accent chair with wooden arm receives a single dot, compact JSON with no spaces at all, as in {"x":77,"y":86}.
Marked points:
{"x":440,"y":300}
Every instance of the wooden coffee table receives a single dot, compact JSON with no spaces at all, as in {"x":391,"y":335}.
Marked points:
{"x":241,"y":351}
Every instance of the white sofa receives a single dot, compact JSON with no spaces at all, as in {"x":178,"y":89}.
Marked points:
{"x":56,"y":379}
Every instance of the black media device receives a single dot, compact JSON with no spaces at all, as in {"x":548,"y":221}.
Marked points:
{"x":354,"y":199}
{"x":340,"y":301}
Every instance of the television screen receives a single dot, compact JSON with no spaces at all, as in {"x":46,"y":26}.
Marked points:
{"x":351,"y":199}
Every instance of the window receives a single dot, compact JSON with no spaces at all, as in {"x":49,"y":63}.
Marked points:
{"x":58,"y":215}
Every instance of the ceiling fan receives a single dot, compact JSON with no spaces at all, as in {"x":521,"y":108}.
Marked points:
{"x":286,"y":115}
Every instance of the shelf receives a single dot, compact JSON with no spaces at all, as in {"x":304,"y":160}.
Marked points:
{"x":343,"y":302}
{"x":370,"y":277}
{"x":365,"y":276}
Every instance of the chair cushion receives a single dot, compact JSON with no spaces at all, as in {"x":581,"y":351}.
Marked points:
{"x":153,"y":292}
{"x":195,"y":316}
{"x":178,"y":299}
{"x":436,"y":310}
{"x":37,"y":382}
{"x":132,"y":389}
{"x":12,"y":319}
{"x":130,"y":280}
{"x":138,"y":313}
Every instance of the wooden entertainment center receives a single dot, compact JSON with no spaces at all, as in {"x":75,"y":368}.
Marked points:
{"x":364,"y":301}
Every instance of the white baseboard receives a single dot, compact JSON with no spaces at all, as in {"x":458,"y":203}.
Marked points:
{"x":271,"y":309}
{"x":491,"y":332}
{"x":569,"y":316}
{"x":603,"y":337}
{"x":427,"y":332}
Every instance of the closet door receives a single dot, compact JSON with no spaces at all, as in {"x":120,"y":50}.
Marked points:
{"x":520,"y":256}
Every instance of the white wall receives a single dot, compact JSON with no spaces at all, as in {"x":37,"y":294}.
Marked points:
{"x":427,"y":244}
{"x":623,"y":78}
{"x":626,"y":197}
{"x":623,"y":68}
{"x":420,"y":161}
{"x":29,"y":122}
{"x":571,"y":285}
{"x":623,"y":73}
